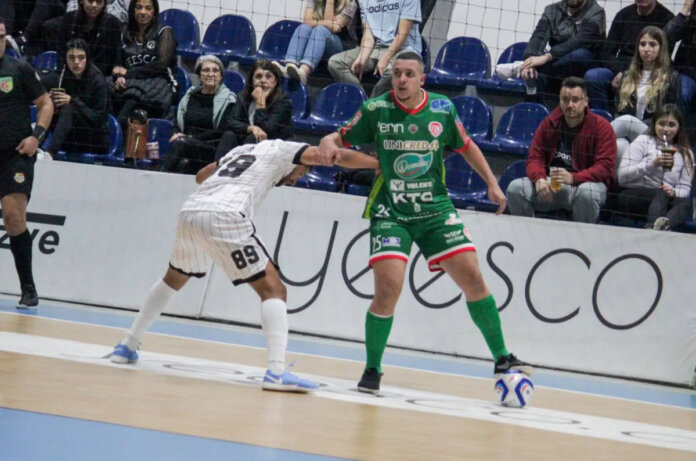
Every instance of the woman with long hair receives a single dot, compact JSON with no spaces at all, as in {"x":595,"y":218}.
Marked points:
{"x":649,"y":83}
{"x":325,"y":31}
{"x":144,"y":76}
{"x":263,"y":111}
{"x":654,"y":180}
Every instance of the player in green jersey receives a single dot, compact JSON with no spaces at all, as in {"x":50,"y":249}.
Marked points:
{"x":409,"y":202}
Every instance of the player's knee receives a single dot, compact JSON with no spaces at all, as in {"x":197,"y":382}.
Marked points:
{"x":15,"y":221}
{"x":387,"y":292}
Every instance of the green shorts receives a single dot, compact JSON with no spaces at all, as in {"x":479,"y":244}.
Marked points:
{"x":439,"y":238}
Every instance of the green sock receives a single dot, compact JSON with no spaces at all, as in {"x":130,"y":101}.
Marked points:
{"x":484,"y":313}
{"x":376,"y":334}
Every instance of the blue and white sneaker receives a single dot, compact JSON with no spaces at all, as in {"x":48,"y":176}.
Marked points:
{"x":288,"y":382}
{"x":122,"y":354}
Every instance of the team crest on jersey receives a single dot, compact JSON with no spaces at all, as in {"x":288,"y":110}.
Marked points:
{"x":440,"y":105}
{"x":373,"y":105}
{"x":19,"y":178}
{"x":435,"y":128}
{"x":413,"y":128}
{"x":412,"y":165}
{"x":6,"y":84}
{"x":397,"y":185}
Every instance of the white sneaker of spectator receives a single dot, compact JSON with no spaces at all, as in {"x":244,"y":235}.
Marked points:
{"x":509,"y":70}
{"x":43,"y":155}
{"x":296,"y":73}
{"x":281,"y":68}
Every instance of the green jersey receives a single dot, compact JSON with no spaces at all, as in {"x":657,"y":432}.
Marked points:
{"x":410,"y":146}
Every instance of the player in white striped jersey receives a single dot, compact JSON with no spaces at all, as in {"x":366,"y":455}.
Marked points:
{"x":215,"y":222}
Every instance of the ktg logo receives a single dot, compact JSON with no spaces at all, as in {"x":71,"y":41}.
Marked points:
{"x":47,"y":240}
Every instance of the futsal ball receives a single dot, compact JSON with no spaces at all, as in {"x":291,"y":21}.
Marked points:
{"x":514,"y":389}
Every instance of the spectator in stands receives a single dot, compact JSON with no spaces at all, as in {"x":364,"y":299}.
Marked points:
{"x":683,"y":27}
{"x":144,"y":75}
{"x":29,"y":23}
{"x":573,"y":147}
{"x":202,"y":117}
{"x":655,"y":183}
{"x":649,"y":83}
{"x":116,"y":8}
{"x":324,"y":32}
{"x":52,"y":27}
{"x":388,"y":27}
{"x":99,"y":29}
{"x":574,"y":31}
{"x":263,"y":110}
{"x":619,"y":48}
{"x":80,"y":96}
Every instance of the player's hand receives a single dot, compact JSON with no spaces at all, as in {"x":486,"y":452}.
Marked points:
{"x":543,"y":190}
{"x":495,"y":195}
{"x":616,"y":81}
{"x":328,"y":152}
{"x":258,"y":133}
{"x":28,"y":146}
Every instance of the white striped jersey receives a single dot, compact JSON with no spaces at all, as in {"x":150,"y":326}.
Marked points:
{"x":244,"y":176}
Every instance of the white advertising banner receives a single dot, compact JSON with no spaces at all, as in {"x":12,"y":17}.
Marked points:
{"x":589,"y":298}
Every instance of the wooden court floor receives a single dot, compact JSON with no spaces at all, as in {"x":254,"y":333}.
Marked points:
{"x":211,"y":390}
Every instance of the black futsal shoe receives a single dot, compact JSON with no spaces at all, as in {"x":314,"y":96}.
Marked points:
{"x":370,"y":381}
{"x":510,"y":362}
{"x":29,"y":299}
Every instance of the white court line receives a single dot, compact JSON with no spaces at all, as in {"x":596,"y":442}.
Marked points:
{"x":344,"y":390}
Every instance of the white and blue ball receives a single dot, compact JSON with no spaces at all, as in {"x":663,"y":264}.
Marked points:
{"x":514,"y":389}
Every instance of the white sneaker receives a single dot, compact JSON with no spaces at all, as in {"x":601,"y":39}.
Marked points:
{"x":281,"y":68}
{"x":509,"y":70}
{"x":296,"y":73}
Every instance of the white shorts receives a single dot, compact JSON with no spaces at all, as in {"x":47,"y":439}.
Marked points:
{"x":228,"y":238}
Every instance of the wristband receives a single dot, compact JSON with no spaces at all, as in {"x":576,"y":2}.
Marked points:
{"x":39,"y":132}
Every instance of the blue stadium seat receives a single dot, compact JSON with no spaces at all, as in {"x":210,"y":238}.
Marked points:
{"x":512,"y":53}
{"x":334,"y":105}
{"x":476,"y":116}
{"x":320,"y":178}
{"x":465,"y":186}
{"x":158,"y":130}
{"x":275,"y":40}
{"x":185,"y":24}
{"x":358,"y":189}
{"x":183,"y":80}
{"x":45,"y":61}
{"x":603,"y":113}
{"x":114,"y":157}
{"x":234,"y":81}
{"x":229,"y":37}
{"x":516,"y":129}
{"x":517,"y":169}
{"x":461,"y":61}
{"x":299,"y":94}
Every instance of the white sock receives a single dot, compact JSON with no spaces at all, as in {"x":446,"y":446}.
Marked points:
{"x":156,"y":301}
{"x":274,"y":321}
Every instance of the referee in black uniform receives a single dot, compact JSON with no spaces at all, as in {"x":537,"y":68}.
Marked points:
{"x":20,"y":86}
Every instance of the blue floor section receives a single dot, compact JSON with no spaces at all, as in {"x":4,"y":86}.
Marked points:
{"x":190,"y":329}
{"x":80,"y":440}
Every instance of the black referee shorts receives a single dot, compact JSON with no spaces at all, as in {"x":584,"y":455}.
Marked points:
{"x":16,"y":173}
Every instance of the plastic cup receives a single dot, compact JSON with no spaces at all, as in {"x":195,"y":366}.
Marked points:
{"x":555,"y":184}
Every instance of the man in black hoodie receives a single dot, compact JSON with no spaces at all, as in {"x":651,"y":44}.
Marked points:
{"x":620,"y":46}
{"x":564,"y":43}
{"x":80,"y":96}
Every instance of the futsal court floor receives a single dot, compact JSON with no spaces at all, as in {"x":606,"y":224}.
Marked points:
{"x":195,"y":395}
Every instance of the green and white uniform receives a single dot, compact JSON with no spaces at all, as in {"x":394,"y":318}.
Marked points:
{"x":409,"y":201}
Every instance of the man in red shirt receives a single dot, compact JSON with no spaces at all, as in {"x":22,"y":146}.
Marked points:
{"x":571,"y":161}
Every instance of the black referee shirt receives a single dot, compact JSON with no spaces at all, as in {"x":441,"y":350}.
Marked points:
{"x":20,"y":85}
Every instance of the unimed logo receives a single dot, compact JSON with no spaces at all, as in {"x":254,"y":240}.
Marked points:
{"x":47,"y":240}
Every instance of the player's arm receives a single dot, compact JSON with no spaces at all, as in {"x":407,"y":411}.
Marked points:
{"x":44,"y":115}
{"x":205,"y":172}
{"x":475,"y":158}
{"x":348,"y":158}
{"x":330,"y":149}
